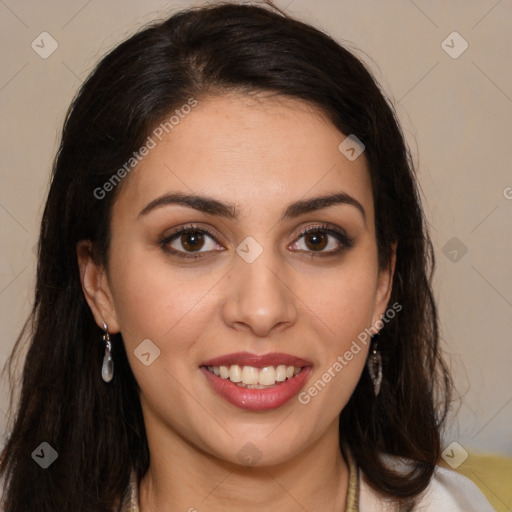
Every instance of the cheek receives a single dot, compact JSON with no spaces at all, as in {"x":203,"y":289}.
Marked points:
{"x":142,"y":292}
{"x":345,"y":300}
{"x":345,"y":310}
{"x":160,"y":301}
{"x":343,"y":306}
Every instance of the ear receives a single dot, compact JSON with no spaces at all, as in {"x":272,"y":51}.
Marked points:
{"x":96,"y":288}
{"x":384,"y":286}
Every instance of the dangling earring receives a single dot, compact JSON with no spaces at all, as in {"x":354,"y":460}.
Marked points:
{"x":375,"y":367}
{"x":107,"y":368}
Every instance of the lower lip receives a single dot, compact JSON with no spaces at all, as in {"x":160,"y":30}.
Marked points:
{"x":257,"y":399}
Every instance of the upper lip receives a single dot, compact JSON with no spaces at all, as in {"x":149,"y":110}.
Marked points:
{"x":257,"y":361}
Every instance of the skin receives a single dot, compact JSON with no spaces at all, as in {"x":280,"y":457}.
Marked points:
{"x":261,"y":153}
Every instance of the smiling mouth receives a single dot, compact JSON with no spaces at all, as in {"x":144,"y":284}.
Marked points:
{"x":255,"y":378}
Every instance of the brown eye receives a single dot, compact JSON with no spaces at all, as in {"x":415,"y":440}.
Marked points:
{"x":316,"y":241}
{"x":192,"y":240}
{"x":323,"y":241}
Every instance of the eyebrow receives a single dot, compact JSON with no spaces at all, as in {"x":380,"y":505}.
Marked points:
{"x":228,"y":210}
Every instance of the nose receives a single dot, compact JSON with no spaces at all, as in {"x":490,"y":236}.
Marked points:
{"x":260,"y":296}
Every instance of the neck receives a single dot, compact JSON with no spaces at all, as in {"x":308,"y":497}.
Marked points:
{"x":181,"y":477}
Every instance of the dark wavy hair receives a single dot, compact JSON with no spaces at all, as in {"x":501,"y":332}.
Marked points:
{"x":98,"y":429}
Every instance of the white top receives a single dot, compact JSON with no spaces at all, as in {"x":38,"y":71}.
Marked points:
{"x":447,"y":491}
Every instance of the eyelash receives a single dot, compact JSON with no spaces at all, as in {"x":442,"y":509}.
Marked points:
{"x":341,"y":236}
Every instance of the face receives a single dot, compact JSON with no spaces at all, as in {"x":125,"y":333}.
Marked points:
{"x":244,"y":278}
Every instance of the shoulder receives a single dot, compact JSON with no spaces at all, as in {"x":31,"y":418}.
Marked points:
{"x":451,"y":491}
{"x":447,"y":491}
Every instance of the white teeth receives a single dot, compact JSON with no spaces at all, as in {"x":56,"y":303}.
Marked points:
{"x":255,"y":378}
{"x":267,"y":376}
{"x":281,"y":373}
{"x":250,"y":375}
{"x":235,"y":373}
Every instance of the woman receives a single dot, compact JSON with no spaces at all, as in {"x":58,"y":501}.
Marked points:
{"x":233,"y":306}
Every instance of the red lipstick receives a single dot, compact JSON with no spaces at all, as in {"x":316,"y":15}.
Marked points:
{"x":257,"y":399}
{"x":248,"y":359}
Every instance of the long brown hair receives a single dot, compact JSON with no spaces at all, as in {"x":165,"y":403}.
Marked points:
{"x":98,"y":429}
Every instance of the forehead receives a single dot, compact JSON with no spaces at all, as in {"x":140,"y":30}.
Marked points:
{"x":256,"y":151}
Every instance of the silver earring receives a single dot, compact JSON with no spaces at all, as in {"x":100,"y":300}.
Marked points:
{"x":375,"y":368}
{"x":107,"y":368}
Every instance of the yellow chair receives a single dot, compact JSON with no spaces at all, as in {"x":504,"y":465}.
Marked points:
{"x":492,"y":474}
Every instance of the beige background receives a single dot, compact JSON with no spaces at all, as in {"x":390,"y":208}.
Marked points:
{"x":456,"y":114}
